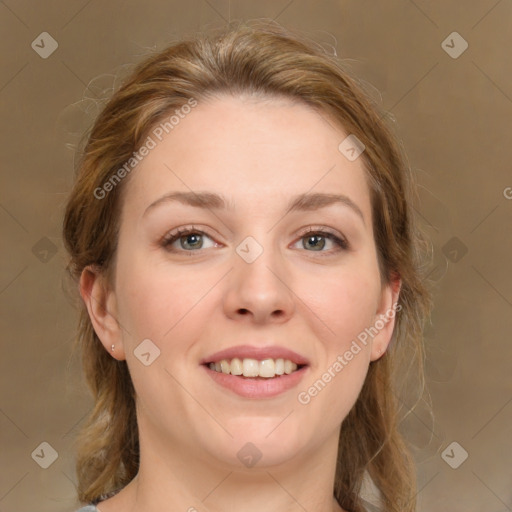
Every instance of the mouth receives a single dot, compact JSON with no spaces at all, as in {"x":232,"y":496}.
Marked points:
{"x":256,"y":372}
{"x":255,"y":379}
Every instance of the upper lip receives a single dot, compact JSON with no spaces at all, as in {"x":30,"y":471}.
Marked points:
{"x":253,"y":352}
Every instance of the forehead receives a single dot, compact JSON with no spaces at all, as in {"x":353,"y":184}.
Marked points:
{"x":250,"y":151}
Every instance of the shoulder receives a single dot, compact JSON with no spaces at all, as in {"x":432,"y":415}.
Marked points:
{"x":88,"y":508}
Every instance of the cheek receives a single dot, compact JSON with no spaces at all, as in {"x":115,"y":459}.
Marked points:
{"x":344,"y":306}
{"x":157,"y":303}
{"x":343,"y":309}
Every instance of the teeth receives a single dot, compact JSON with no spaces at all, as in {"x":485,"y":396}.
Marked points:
{"x":266,"y":368}
{"x":236,"y":367}
{"x":251,"y":368}
{"x":224,"y":366}
{"x":288,"y":366}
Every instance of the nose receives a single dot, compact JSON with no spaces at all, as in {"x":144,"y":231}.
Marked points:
{"x":260,"y":290}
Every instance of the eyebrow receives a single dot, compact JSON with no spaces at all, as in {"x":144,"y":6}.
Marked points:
{"x":302,"y":202}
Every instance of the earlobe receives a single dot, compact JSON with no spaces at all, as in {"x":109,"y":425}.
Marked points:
{"x":385,"y":317}
{"x":101,"y":306}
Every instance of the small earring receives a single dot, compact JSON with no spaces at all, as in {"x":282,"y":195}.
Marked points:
{"x":113,"y":348}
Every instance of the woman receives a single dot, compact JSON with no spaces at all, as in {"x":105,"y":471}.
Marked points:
{"x":242,"y":235}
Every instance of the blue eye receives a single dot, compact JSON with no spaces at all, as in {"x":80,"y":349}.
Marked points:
{"x":319,"y":236}
{"x":191,"y":240}
{"x":191,"y":236}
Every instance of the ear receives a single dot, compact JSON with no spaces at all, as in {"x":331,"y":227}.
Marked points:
{"x":385,"y":317}
{"x":102,"y":308}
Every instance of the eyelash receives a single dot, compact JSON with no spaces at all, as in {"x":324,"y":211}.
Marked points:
{"x":171,"y":237}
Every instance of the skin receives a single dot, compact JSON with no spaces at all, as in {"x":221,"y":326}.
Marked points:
{"x":191,"y":304}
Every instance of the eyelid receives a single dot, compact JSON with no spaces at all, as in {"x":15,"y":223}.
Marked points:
{"x":177,"y":233}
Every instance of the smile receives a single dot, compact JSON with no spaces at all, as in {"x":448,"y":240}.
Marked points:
{"x":266,"y":368}
{"x":253,"y":385}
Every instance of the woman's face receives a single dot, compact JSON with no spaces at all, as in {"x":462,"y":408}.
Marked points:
{"x":249,"y":281}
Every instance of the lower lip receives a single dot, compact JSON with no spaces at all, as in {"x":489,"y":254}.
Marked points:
{"x":249,"y":387}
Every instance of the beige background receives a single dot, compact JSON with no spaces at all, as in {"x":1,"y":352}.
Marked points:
{"x":454,"y":117}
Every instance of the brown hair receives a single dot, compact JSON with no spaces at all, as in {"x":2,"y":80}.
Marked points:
{"x":261,"y":58}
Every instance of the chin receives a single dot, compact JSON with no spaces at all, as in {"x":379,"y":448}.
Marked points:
{"x":258,"y":443}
